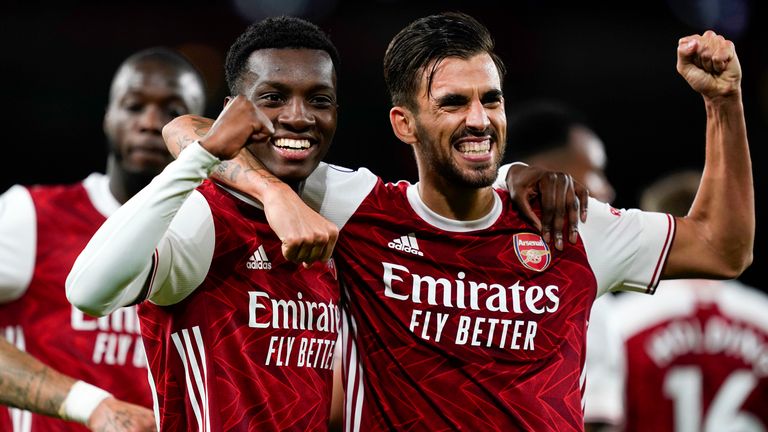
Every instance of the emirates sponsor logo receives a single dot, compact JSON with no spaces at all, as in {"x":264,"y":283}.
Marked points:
{"x":532,"y":251}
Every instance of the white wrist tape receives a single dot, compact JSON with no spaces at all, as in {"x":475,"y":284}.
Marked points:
{"x":80,"y":402}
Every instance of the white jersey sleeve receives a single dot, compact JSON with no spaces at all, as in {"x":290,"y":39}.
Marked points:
{"x":626,"y":249}
{"x":604,"y":390}
{"x":18,"y":242}
{"x":160,"y":241}
{"x":336,"y":192}
{"x":501,"y":175}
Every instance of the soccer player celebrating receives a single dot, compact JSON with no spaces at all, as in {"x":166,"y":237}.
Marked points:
{"x":42,"y":230}
{"x":457,"y":314}
{"x":237,"y":336}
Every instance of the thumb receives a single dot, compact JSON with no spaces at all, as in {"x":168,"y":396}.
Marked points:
{"x":687,"y":46}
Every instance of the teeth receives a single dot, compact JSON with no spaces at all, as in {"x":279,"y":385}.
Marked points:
{"x":474,"y":147}
{"x":292,"y":143}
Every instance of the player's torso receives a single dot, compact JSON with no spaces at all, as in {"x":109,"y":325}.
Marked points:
{"x":478,"y":330}
{"x":703,"y":369}
{"x":106,"y":352}
{"x":252,"y":347}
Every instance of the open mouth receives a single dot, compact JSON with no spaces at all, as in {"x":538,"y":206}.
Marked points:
{"x":292,"y":149}
{"x":474,"y":147}
{"x":291,"y":144}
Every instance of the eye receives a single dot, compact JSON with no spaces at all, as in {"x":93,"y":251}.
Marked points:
{"x":322,"y":101}
{"x":176,"y":110}
{"x":134,"y":106}
{"x":493,"y":100}
{"x":452,"y":101}
{"x":271,"y":99}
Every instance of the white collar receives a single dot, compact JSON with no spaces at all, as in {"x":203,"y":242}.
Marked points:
{"x":97,"y":187}
{"x":447,"y":224}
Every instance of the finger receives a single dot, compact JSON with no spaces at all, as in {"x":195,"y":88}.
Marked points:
{"x":583,"y":193}
{"x":316,"y":253}
{"x":262,"y":125}
{"x":722,"y":56}
{"x":560,"y":205}
{"x":304,"y":254}
{"x":548,"y":189}
{"x":330,"y":245}
{"x":527,"y":212}
{"x":572,"y":202}
{"x":290,"y":251}
{"x":687,"y":45}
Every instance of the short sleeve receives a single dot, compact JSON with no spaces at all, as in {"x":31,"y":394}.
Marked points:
{"x":18,"y":241}
{"x":336,"y":192}
{"x":627,"y":249}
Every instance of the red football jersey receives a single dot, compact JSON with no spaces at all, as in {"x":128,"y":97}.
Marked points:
{"x":465,"y":325}
{"x":107,"y":351}
{"x":251,"y":348}
{"x":696,"y":358}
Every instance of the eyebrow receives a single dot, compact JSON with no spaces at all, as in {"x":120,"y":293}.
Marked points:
{"x":282,"y":87}
{"x":494,"y":94}
{"x":452,"y":99}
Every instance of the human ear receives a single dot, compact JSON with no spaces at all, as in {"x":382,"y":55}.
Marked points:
{"x":403,"y":124}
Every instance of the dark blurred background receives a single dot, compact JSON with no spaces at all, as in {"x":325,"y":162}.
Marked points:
{"x":615,"y":64}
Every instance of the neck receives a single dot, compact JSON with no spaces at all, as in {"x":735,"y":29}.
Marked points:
{"x":123,"y":184}
{"x":457,"y":203}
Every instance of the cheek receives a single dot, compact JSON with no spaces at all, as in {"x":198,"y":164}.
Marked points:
{"x":499,"y":121}
{"x":327,"y":123}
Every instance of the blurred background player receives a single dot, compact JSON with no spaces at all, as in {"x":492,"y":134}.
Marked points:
{"x":696,"y":352}
{"x":549,"y":134}
{"x":43,"y":229}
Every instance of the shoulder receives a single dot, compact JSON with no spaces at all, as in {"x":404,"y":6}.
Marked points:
{"x":17,"y":206}
{"x":640,"y":311}
{"x":744,"y":303}
{"x":336,"y":192}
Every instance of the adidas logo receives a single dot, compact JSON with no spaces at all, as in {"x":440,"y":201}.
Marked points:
{"x":406,"y":243}
{"x":259,"y":260}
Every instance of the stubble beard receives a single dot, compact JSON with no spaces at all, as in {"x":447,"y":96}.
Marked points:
{"x":447,"y":168}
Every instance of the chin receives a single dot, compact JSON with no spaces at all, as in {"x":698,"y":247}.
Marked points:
{"x":292,"y":173}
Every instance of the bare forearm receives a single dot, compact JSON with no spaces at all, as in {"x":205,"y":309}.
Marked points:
{"x":244,"y":172}
{"x":28,"y":384}
{"x":726,"y":196}
{"x":723,"y":213}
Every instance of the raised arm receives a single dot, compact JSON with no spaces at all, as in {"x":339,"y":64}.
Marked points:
{"x":306,"y":236}
{"x":716,"y":238}
{"x":28,"y":384}
{"x":117,"y":265}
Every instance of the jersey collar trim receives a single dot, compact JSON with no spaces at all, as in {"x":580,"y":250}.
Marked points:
{"x":97,"y":187}
{"x":446,"y":224}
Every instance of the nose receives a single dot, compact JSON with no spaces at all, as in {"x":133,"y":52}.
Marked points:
{"x":296,"y":115}
{"x":152,"y":119}
{"x":477,"y":118}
